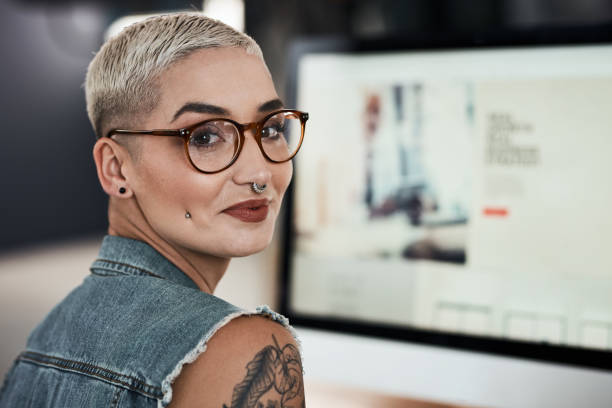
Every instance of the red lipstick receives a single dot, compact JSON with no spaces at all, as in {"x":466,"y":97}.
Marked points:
{"x":249,"y":211}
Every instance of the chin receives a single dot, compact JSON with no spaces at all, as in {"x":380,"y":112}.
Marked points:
{"x":231,"y":250}
{"x":240,"y":242}
{"x":241,"y":249}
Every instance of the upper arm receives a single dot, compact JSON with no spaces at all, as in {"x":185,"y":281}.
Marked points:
{"x":250,"y":362}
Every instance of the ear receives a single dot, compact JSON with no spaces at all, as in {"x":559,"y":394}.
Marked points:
{"x":110,"y":158}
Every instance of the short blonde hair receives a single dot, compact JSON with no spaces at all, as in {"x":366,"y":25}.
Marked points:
{"x":120,"y":85}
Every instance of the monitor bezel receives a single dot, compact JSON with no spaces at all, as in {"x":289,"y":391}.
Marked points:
{"x":419,"y":42}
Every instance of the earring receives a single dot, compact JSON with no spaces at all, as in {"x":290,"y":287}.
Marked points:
{"x":122,"y":190}
{"x":187,"y":214}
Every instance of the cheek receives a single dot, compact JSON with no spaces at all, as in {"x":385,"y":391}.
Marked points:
{"x":193,"y":192}
{"x":282,"y":174}
{"x":166,"y":186}
{"x":159,"y":191}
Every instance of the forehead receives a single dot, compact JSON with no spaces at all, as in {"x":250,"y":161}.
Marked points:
{"x":226,"y":77}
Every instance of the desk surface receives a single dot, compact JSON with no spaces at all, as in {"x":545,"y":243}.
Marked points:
{"x":321,"y":395}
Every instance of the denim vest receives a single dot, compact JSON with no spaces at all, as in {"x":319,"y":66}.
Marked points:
{"x":121,"y":337}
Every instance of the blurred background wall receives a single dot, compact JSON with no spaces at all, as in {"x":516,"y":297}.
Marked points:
{"x":49,"y":188}
{"x":52,"y":210}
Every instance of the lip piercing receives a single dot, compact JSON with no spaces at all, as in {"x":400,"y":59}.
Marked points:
{"x":257,"y":188}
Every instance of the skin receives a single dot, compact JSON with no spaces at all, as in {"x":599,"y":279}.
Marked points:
{"x":166,"y":185}
{"x":250,"y":358}
{"x":232,"y":369}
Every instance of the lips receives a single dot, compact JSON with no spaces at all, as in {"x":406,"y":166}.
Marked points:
{"x":249,"y":211}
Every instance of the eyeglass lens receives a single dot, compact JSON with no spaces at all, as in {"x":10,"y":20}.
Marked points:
{"x":213,"y":145}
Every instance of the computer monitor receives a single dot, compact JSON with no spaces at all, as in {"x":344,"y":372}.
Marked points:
{"x":455,"y":191}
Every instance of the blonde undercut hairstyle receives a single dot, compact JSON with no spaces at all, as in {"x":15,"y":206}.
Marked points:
{"x":121,"y":82}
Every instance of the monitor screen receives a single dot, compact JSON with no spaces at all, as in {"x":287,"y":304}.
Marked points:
{"x":460,"y":191}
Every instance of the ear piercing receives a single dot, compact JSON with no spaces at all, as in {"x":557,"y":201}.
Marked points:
{"x":258,"y":188}
{"x":122,"y":190}
{"x":187,"y":215}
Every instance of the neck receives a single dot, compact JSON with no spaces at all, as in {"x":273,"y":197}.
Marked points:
{"x":126,"y":219}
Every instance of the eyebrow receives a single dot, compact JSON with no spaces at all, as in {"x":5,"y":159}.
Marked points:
{"x":200,"y":107}
{"x":271,"y":105}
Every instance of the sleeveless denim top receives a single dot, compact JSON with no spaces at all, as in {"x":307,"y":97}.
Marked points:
{"x":121,"y":337}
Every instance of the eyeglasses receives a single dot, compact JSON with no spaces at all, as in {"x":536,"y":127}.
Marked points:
{"x":214,"y":145}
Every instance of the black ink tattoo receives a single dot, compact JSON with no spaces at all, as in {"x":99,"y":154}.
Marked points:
{"x":273,"y":369}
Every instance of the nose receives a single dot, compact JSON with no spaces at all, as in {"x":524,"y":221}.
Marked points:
{"x":251,"y":165}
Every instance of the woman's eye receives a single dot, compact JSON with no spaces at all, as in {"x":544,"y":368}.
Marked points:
{"x":272,"y":132}
{"x":205,"y":139}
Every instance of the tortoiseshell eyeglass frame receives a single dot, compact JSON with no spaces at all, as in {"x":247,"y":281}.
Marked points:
{"x":186,"y":132}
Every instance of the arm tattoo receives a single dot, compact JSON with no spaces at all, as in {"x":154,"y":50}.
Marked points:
{"x":275,"y":375}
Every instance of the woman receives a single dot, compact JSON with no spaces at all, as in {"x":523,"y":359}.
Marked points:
{"x":143,"y":329}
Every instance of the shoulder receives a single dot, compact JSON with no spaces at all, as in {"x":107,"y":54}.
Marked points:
{"x":251,"y":360}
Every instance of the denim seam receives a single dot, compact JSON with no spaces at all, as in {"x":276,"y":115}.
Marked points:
{"x":89,"y":373}
{"x":115,"y":401}
{"x":89,"y":369}
{"x":107,"y":272}
{"x":43,"y":356}
{"x":124,"y":265}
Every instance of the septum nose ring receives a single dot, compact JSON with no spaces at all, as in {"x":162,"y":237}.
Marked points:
{"x":258,"y":188}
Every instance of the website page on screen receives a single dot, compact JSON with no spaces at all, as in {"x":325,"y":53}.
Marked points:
{"x":461,"y":191}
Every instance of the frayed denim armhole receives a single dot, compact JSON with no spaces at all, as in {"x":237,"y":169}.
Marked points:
{"x":266,"y":311}
{"x":263,"y":310}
